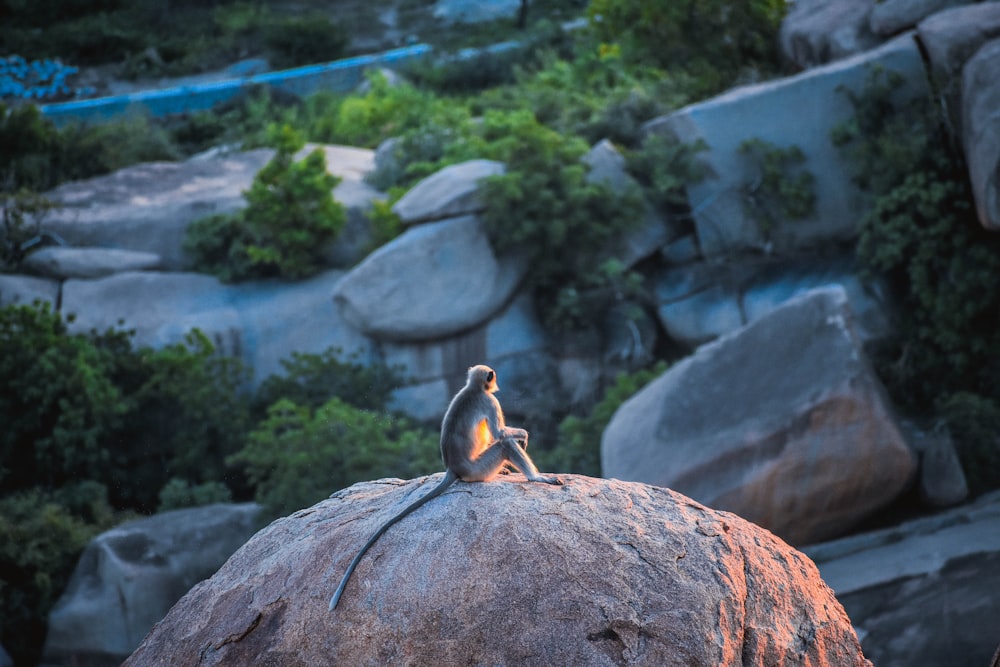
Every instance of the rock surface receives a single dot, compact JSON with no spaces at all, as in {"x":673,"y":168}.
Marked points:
{"x":950,"y":37}
{"x":922,"y":594}
{"x":797,"y":111}
{"x":699,"y":302}
{"x":782,"y":422}
{"x":129,"y":577}
{"x":148,"y":207}
{"x":818,"y":31}
{"x":891,"y":16}
{"x":260,"y":322}
{"x":64,"y":262}
{"x":981,"y":130}
{"x":27,"y":289}
{"x":596,"y":572}
{"x":433,"y":281}
{"x":513,"y":341}
{"x":447,"y":193}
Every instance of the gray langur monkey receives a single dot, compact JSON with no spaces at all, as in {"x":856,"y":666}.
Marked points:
{"x":476,"y":445}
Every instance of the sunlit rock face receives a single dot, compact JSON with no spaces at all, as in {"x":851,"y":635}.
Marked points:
{"x":597,"y":572}
{"x":782,"y":421}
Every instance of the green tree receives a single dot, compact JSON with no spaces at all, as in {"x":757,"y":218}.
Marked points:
{"x":298,"y":456}
{"x":290,"y":220}
{"x":565,"y":225}
{"x":711,"y":39}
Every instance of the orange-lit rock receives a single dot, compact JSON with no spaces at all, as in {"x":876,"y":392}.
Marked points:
{"x":597,"y":572}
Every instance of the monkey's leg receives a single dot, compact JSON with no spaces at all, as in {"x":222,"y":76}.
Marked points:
{"x":519,"y":457}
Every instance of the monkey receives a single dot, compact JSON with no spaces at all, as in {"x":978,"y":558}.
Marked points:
{"x":476,"y":446}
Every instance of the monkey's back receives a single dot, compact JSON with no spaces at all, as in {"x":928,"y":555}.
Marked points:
{"x":462,"y":429}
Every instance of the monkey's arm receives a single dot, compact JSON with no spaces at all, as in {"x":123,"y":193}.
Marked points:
{"x":449,"y":479}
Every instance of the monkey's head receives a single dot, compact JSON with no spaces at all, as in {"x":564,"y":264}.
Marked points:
{"x":484,"y":378}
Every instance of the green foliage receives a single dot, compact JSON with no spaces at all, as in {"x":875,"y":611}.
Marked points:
{"x":40,"y":542}
{"x":178,"y":493}
{"x":921,"y":235}
{"x":972,"y":421}
{"x":89,"y":407}
{"x":303,"y":40}
{"x":298,"y":455}
{"x":290,"y":220}
{"x":35,"y":155}
{"x":22,"y":214}
{"x":779,"y":189}
{"x":579,"y":446}
{"x":664,"y":167}
{"x":310,"y":380}
{"x":564,"y":224}
{"x":291,"y":213}
{"x":384,"y":224}
{"x":710,"y":39}
{"x":594,"y":95}
{"x":187,"y":415}
{"x":59,"y":403}
{"x":387,"y":110}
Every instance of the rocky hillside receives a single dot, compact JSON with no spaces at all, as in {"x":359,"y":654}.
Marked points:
{"x":772,"y":411}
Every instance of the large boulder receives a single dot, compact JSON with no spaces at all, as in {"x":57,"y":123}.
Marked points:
{"x":891,"y":16}
{"x":782,"y":422}
{"x":448,"y":193}
{"x":433,"y":281}
{"x":597,"y":572}
{"x":949,"y":38}
{"x":512,"y":342}
{"x":981,"y":130}
{"x":258,"y":322}
{"x":815,"y":32}
{"x":148,"y":207}
{"x":699,"y":302}
{"x":129,"y":577}
{"x":798,"y":111}
{"x":923,"y":593}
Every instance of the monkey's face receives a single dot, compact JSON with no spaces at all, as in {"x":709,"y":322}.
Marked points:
{"x":484,"y":377}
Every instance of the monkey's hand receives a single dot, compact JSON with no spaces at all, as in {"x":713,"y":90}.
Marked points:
{"x":555,"y":481}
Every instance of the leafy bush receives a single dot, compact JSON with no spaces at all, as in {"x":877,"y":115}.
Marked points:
{"x":779,"y":189}
{"x":310,"y":380}
{"x":22,"y":213}
{"x":290,"y":220}
{"x":922,"y":236}
{"x":303,"y":40}
{"x":298,"y":455}
{"x":89,"y":407}
{"x":35,"y":155}
{"x":664,"y":167}
{"x":578,"y":449}
{"x":40,"y":542}
{"x":178,"y":493}
{"x":60,"y":404}
{"x":564,"y":224}
{"x":711,"y":39}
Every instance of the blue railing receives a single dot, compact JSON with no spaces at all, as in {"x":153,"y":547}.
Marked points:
{"x":337,"y":76}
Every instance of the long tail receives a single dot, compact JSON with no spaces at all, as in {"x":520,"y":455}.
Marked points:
{"x":449,"y":479}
